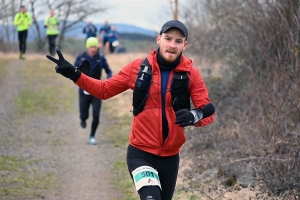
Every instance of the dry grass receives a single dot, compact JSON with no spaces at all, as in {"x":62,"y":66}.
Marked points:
{"x":44,"y":91}
{"x":3,"y":67}
{"x":123,"y":100}
{"x":31,"y":56}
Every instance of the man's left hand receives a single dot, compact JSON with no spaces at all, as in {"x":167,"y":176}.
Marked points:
{"x":184,"y":118}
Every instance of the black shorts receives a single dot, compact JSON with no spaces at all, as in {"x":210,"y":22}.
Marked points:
{"x":167,"y":168}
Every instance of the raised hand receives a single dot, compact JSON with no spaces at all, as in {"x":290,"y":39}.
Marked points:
{"x":61,"y":60}
{"x":66,"y":69}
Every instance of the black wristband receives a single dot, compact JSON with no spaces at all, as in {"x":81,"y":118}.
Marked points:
{"x":208,"y":110}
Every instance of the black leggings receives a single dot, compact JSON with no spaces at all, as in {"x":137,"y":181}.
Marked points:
{"x":84,"y":104}
{"x":167,"y":168}
{"x":22,"y":35}
{"x":111,"y":48}
{"x":51,"y":42}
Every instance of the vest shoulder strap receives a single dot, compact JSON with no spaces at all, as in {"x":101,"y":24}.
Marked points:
{"x":181,"y":76}
{"x":141,"y":87}
{"x":179,"y":89}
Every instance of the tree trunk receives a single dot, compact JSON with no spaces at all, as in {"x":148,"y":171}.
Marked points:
{"x":40,"y":41}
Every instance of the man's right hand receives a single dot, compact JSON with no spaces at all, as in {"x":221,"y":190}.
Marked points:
{"x":64,"y":68}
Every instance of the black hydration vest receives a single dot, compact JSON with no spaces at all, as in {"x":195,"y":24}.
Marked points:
{"x":179,"y":89}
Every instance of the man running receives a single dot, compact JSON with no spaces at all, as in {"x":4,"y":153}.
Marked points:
{"x":52,"y":25}
{"x":103,"y":32}
{"x":23,"y":21}
{"x":162,"y":85}
{"x":111,"y":40}
{"x":98,"y":62}
{"x":90,"y":30}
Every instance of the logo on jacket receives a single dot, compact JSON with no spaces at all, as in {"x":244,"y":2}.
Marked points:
{"x":145,"y":69}
{"x":142,"y":77}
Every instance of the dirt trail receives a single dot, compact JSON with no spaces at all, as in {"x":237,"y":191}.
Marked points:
{"x":59,"y":143}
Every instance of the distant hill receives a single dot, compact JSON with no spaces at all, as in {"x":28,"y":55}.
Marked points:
{"x":76,"y":31}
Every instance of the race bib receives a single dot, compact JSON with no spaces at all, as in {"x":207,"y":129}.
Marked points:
{"x":145,"y":176}
{"x":85,"y":92}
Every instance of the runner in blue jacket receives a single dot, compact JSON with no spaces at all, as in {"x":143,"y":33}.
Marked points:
{"x":90,"y":30}
{"x":98,"y":62}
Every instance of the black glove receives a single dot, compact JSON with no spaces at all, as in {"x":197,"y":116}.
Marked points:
{"x":66,"y":69}
{"x":184,"y":117}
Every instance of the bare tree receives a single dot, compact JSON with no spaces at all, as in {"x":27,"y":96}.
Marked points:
{"x":36,"y":11}
{"x":174,"y":8}
{"x":71,"y":12}
{"x":7,"y":13}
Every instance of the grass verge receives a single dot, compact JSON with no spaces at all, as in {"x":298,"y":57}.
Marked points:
{"x":117,"y":132}
{"x":3,"y":67}
{"x":45,"y":92}
{"x":20,"y":177}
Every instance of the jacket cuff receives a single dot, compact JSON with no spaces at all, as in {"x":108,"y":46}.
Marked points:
{"x":76,"y":76}
{"x":198,"y":115}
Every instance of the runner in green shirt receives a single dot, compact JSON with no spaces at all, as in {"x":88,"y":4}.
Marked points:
{"x":23,"y":21}
{"x":52,"y":25}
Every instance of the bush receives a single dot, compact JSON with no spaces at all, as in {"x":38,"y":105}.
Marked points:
{"x":258,"y":104}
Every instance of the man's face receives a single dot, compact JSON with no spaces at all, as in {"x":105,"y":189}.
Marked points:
{"x":51,"y":13}
{"x":171,"y":44}
{"x":23,"y":9}
{"x":92,"y":51}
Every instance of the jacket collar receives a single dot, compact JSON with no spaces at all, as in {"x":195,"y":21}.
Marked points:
{"x":185,"y":64}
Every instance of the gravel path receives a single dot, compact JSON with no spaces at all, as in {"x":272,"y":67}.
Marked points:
{"x":60,"y":144}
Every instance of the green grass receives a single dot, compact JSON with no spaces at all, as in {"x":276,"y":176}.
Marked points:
{"x":20,"y":177}
{"x":3,"y":67}
{"x":117,"y":132}
{"x":12,"y":163}
{"x":122,"y":180}
{"x":45,"y":92}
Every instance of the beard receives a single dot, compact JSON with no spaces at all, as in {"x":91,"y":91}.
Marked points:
{"x":170,"y":56}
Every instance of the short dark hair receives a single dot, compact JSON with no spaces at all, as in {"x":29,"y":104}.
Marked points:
{"x":22,"y":6}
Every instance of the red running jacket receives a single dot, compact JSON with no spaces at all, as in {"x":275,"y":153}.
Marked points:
{"x":146,"y":132}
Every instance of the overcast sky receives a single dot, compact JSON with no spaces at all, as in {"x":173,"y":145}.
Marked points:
{"x":149,"y":14}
